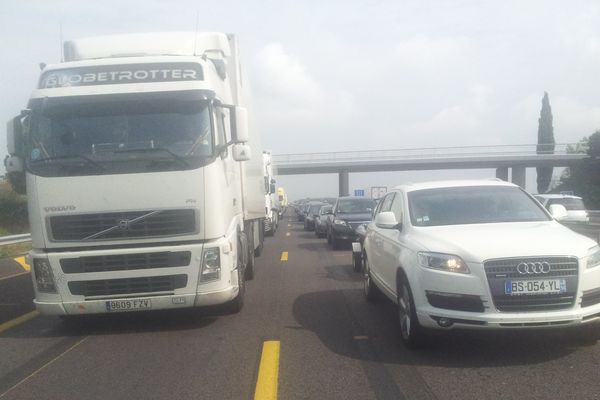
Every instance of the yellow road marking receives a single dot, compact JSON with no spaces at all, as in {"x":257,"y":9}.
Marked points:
{"x":34,"y":373}
{"x":287,"y":234}
{"x":23,"y":263}
{"x":18,"y":321}
{"x":14,"y":275}
{"x":361,"y":337}
{"x":268,"y":372}
{"x":284,"y":256}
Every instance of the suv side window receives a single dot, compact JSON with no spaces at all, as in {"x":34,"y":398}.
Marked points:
{"x":386,"y":203}
{"x":398,"y":207}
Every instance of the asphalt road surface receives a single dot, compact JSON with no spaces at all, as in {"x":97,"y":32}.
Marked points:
{"x":333,"y":345}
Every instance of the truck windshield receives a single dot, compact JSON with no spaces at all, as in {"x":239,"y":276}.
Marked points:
{"x":118,"y":136}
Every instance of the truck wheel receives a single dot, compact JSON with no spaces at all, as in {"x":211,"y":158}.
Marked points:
{"x":261,"y":238}
{"x":411,"y":332}
{"x":249,"y":274}
{"x":236,"y":305}
{"x":357,"y":261}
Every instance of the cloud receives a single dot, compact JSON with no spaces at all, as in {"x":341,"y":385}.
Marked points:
{"x":290,"y":99}
{"x":425,"y":51}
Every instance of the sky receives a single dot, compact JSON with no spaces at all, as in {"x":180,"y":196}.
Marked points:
{"x":355,"y":75}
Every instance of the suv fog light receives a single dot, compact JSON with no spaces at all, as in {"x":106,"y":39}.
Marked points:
{"x":444,"y":322}
{"x":211,"y":265}
{"x":44,"y":278}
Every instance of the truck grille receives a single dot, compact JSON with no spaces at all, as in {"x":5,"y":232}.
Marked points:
{"x":125,"y":262}
{"x":122,"y":225}
{"x":108,"y":287}
{"x":498,"y":271}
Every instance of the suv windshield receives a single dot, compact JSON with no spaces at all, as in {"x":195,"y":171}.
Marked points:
{"x":472,"y":205}
{"x":355,"y":206}
{"x":116,"y":136}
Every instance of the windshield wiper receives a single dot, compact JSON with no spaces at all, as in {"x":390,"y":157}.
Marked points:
{"x":88,"y":160}
{"x":175,"y":157}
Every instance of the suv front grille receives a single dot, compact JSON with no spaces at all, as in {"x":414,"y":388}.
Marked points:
{"x":122,"y":225}
{"x":109,"y":287}
{"x":125,"y":262}
{"x":500,"y":270}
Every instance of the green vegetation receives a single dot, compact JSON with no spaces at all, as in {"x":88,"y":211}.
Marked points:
{"x":545,"y":144}
{"x":13,"y":211}
{"x":584,"y":179}
{"x":14,"y":250}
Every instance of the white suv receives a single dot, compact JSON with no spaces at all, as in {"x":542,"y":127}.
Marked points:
{"x":478,"y":254}
{"x":576,"y":211}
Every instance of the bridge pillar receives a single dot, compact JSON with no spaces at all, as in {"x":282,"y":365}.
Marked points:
{"x":518,"y":176}
{"x":502,"y":173}
{"x":344,"y":183}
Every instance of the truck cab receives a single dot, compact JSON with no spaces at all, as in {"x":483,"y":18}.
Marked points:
{"x":142,"y":175}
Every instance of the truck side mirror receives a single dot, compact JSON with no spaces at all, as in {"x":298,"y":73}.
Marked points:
{"x":14,"y":136}
{"x":241,"y":152}
{"x":241,"y":125}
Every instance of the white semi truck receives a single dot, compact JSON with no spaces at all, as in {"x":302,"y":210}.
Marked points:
{"x":271,"y":203}
{"x":143,"y":176}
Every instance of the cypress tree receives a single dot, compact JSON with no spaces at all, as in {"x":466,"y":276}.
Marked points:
{"x":545,"y":144}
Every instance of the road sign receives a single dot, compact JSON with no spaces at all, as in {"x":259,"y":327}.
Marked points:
{"x":378,"y":192}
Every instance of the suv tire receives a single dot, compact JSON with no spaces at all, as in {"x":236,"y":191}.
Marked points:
{"x":411,"y":332}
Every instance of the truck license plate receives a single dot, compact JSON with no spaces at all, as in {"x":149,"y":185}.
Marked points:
{"x":539,"y":286}
{"x":128,"y":305}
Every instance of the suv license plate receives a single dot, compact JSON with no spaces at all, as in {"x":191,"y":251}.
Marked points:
{"x":538,"y":286}
{"x":128,"y":305}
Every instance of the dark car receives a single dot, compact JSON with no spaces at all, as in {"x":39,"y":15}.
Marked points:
{"x":302,"y":211}
{"x":312,"y":212}
{"x":321,"y":220}
{"x":348,"y":214}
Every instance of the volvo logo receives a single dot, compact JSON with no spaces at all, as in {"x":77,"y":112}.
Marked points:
{"x":533,"y":268}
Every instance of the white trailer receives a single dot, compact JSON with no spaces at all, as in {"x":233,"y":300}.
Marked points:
{"x":143,"y":175}
{"x":271,"y":203}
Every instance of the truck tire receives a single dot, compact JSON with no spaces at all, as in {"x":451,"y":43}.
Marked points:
{"x":249,"y":274}
{"x":261,"y":238}
{"x":236,"y":305}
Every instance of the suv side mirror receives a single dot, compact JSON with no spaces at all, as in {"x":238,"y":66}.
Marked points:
{"x":386,"y":220}
{"x":558,"y":211}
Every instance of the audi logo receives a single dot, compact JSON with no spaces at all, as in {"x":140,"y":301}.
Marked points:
{"x":533,"y":268}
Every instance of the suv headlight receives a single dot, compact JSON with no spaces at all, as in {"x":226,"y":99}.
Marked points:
{"x":211,"y":265}
{"x":443,"y":262}
{"x":44,"y":278}
{"x":339,"y":222}
{"x":593,"y":257}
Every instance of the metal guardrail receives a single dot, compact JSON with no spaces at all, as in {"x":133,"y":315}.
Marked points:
{"x":426,"y":152}
{"x":14,"y":239}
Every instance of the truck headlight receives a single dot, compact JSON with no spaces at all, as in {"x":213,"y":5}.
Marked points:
{"x":211,"y":265}
{"x":443,"y":262}
{"x":44,"y":278}
{"x":593,"y":257}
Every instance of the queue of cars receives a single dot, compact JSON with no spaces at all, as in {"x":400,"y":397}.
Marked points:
{"x":479,"y":254}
